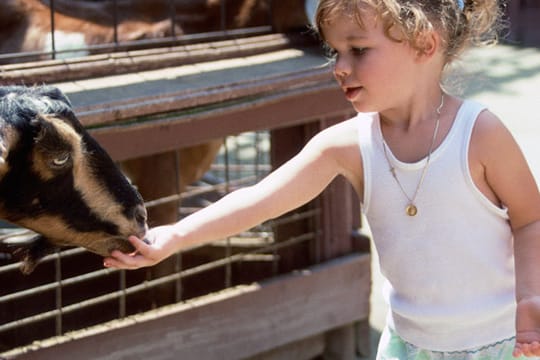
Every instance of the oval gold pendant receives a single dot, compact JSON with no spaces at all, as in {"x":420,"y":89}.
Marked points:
{"x":411,"y":210}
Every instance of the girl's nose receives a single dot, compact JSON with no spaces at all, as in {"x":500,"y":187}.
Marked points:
{"x":341,"y":68}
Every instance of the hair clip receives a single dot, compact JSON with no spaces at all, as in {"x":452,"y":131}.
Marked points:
{"x":461,"y":4}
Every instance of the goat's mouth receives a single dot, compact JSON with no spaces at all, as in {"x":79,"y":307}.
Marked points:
{"x":105,"y":246}
{"x":119,"y":243}
{"x":124,"y":246}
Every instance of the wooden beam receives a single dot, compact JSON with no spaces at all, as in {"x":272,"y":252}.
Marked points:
{"x":305,"y":349}
{"x":116,"y":111}
{"x":273,"y":111}
{"x":49,"y":71}
{"x":234,"y":324}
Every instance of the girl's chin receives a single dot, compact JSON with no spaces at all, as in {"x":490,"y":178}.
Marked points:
{"x":361,"y":106}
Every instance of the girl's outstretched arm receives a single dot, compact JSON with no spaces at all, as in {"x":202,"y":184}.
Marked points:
{"x":293,"y":184}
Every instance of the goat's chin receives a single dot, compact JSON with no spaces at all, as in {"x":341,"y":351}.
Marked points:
{"x":105,"y":247}
{"x":122,"y":245}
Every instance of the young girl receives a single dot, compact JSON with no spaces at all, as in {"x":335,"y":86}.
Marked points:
{"x":447,"y":193}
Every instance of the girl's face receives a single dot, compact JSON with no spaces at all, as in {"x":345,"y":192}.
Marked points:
{"x":375,"y":72}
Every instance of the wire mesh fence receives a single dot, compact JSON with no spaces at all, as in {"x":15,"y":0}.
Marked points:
{"x":70,"y":290}
{"x":76,"y":28}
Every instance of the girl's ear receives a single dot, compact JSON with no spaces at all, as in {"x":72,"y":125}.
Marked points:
{"x":428,"y":45}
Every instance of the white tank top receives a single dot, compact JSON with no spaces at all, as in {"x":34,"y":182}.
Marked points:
{"x":449,"y":270}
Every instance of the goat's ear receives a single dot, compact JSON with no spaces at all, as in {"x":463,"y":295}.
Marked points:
{"x":42,"y":128}
{"x":3,"y":156}
{"x":8,"y":138}
{"x":39,"y":126}
{"x":28,"y":248}
{"x":53,"y":93}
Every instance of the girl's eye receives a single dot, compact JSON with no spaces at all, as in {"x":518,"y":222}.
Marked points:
{"x":358,"y":51}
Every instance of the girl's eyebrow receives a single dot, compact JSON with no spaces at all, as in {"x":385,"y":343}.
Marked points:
{"x":356,"y":37}
{"x":350,"y":38}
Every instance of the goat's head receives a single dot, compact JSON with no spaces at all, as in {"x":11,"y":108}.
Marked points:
{"x":56,"y":180}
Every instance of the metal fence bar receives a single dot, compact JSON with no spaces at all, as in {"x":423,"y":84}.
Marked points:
{"x":156,"y":42}
{"x":199,"y":191}
{"x":51,"y":286}
{"x":122,"y":298}
{"x":65,"y":253}
{"x":294,"y":217}
{"x":173,"y":20}
{"x":223,"y":15}
{"x":58,"y":295}
{"x":53,"y":32}
{"x":228,"y":264}
{"x":115,"y":22}
{"x":246,"y":167}
{"x":178,"y":287}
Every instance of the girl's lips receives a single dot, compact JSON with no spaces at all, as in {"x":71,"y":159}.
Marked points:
{"x":352,"y":92}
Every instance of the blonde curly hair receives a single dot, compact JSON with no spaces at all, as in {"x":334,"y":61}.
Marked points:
{"x":479,"y":22}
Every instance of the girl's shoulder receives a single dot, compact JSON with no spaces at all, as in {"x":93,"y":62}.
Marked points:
{"x":352,"y":125}
{"x":339,"y":135}
{"x":503,"y":169}
{"x":491,"y":141}
{"x":340,"y":144}
{"x":489,"y":130}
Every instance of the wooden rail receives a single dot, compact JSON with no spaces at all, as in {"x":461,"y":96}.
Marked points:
{"x":234,"y":324}
{"x":141,"y":60}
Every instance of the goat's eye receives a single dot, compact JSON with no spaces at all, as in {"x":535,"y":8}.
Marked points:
{"x":61,"y":160}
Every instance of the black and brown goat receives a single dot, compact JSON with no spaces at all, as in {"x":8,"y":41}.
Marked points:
{"x":57,"y":181}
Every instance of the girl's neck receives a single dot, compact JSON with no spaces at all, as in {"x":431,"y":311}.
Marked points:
{"x":415,"y":111}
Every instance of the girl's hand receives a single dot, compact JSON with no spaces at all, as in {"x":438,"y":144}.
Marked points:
{"x":148,"y":252}
{"x":528,"y":327}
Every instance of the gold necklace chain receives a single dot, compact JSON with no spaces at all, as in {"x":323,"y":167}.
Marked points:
{"x":411,"y":209}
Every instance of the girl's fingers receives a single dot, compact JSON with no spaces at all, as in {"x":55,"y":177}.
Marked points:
{"x":145,"y":254}
{"x":120,"y":260}
{"x":111,"y":262}
{"x":534,"y":348}
{"x":141,"y":246}
{"x":526,"y":349}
